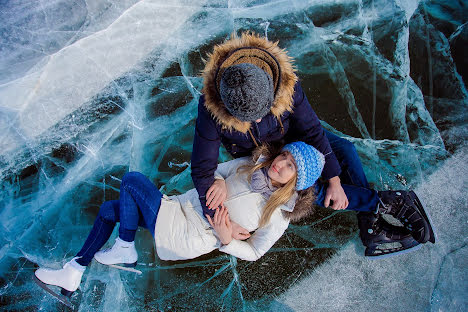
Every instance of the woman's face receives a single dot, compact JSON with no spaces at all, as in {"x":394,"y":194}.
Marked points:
{"x":283,"y":168}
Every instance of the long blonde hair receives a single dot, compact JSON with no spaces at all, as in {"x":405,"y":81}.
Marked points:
{"x":282,"y":194}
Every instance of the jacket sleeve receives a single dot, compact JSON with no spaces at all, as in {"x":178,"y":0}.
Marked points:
{"x":305,"y":126}
{"x":260,"y":242}
{"x":205,"y":152}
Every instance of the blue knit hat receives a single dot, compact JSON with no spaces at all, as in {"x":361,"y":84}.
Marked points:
{"x":309,"y":163}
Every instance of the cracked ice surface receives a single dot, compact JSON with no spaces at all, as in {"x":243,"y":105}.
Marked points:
{"x":92,"y":89}
{"x":431,"y":279}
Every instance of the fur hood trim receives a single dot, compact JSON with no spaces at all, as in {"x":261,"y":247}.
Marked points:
{"x":301,"y":210}
{"x":284,"y":91}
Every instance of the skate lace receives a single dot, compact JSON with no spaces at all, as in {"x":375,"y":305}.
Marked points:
{"x":111,"y":248}
{"x":394,"y":206}
{"x":377,"y":226}
{"x":401,"y":207}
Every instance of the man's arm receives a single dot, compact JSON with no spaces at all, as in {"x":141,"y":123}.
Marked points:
{"x":205,"y":152}
{"x":305,"y":126}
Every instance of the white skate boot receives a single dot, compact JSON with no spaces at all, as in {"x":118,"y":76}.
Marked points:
{"x":68,"y":279}
{"x":122,"y":255}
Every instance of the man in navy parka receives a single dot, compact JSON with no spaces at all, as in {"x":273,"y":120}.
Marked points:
{"x":251,"y":95}
{"x":290,"y":117}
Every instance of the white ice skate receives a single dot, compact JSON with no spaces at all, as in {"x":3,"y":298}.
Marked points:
{"x":68,"y":279}
{"x":122,"y":255}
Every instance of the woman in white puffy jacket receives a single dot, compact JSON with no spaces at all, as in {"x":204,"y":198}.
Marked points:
{"x":261,"y":197}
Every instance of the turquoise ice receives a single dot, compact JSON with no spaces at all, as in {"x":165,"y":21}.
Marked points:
{"x":92,"y":89}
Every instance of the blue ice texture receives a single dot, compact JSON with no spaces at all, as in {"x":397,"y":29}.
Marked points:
{"x":90,"y":90}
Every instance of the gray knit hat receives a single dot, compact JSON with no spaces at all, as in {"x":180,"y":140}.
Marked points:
{"x":247,"y":91}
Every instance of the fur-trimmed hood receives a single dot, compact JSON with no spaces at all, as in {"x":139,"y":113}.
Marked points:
{"x":283,"y":100}
{"x":304,"y":207}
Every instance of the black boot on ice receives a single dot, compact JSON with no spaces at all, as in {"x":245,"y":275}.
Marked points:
{"x":383,"y":239}
{"x":406,"y":208}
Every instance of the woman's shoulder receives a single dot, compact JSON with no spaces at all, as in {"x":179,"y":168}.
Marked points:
{"x":237,"y":162}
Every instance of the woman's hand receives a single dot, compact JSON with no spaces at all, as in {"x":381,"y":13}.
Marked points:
{"x":238,"y":232}
{"x":222,"y":225}
{"x":216,"y":194}
{"x":336,"y":193}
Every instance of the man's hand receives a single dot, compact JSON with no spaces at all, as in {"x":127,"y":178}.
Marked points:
{"x":222,"y":225}
{"x":238,"y":232}
{"x":336,"y":193}
{"x":216,"y":194}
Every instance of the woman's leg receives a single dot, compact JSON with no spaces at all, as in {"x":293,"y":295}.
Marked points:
{"x":103,"y":226}
{"x":140,"y":200}
{"x":138,"y":206}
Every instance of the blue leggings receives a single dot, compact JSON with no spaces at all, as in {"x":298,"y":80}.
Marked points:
{"x":138,"y":205}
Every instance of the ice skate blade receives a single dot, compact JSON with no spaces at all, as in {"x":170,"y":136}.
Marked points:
{"x":425,"y":214}
{"x":63,"y":299}
{"x":125,"y":268}
{"x":396,"y":253}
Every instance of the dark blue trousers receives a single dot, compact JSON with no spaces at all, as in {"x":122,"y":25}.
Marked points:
{"x":353,"y":179}
{"x":138,"y":205}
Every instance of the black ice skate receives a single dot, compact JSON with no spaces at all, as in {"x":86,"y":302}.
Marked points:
{"x":406,"y":208}
{"x":383,"y":239}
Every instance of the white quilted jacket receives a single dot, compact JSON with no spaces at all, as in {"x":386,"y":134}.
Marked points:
{"x":182,"y":232}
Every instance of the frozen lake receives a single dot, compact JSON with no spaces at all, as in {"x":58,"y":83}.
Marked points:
{"x":90,"y":90}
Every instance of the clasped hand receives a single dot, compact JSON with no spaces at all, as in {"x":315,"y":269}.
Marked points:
{"x":225,"y":228}
{"x":222,"y":225}
{"x":215,"y":197}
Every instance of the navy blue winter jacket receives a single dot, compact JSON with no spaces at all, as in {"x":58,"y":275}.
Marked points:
{"x":300,"y":125}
